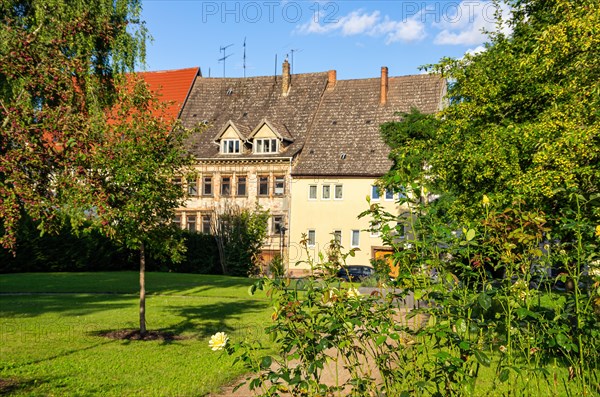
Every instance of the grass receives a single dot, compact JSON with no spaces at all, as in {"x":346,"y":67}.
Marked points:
{"x":49,"y":326}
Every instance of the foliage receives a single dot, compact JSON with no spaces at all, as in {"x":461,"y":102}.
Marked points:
{"x":277,"y":267}
{"x":522,"y":119}
{"x":71,"y":252}
{"x":59,"y":62}
{"x":240,"y":234}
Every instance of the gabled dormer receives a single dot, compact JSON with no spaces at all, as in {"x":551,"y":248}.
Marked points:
{"x":269,"y":137}
{"x":231,"y":138}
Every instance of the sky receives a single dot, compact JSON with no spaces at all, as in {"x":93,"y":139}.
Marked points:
{"x":356,"y":38}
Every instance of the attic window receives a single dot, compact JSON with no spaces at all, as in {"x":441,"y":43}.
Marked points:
{"x":245,"y":114}
{"x":229,"y":91}
{"x":334,"y":122}
{"x":266,"y":145}
{"x":343,"y":156}
{"x":194,"y":115}
{"x":368,"y":122}
{"x":230,"y":146}
{"x":311,"y":151}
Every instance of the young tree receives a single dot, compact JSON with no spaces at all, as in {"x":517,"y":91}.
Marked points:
{"x":240,"y":234}
{"x":58,"y":61}
{"x":131,"y":190}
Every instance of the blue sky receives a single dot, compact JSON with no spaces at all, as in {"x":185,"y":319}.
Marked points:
{"x":355,"y":38}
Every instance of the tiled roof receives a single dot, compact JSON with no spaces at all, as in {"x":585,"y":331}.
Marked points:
{"x":247,"y":101}
{"x":335,"y":130}
{"x":345,"y":138}
{"x":172,"y":86}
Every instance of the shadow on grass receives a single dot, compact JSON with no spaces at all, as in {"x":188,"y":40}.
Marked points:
{"x":12,"y":385}
{"x":204,"y":321}
{"x":23,"y":306}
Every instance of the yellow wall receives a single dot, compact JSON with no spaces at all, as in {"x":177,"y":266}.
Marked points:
{"x":325,"y":216}
{"x":264,"y":132}
{"x":230,"y":134}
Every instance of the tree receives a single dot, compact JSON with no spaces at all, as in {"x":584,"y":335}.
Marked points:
{"x":59,"y":61}
{"x":131,"y":191}
{"x":240,"y":234}
{"x":522,"y":121}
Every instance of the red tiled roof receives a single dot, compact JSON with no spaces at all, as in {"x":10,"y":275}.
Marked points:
{"x":172,"y":86}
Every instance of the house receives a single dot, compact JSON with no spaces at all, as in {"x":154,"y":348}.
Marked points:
{"x":305,"y":146}
{"x":172,"y":87}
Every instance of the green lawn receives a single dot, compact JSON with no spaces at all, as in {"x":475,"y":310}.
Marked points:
{"x":49,"y":325}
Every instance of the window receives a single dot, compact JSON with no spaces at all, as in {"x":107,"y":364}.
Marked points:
{"x":337,"y":236}
{"x":326,"y":192}
{"x":375,"y":229}
{"x":338,"y":192}
{"x":229,"y":146}
{"x":374,"y":193}
{"x":207,"y":186}
{"x":225,"y":186}
{"x":355,"y":242}
{"x":177,"y":221}
{"x":192,"y":185}
{"x":389,"y":195}
{"x":402,"y":194}
{"x":311,"y":238}
{"x":206,"y":224}
{"x":177,"y":181}
{"x":279,"y":186}
{"x":312,"y":192}
{"x":263,"y":185}
{"x":278,"y":225}
{"x":191,"y":223}
{"x":266,"y":145}
{"x":241,"y":186}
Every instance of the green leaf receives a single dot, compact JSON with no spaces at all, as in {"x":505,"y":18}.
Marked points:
{"x":503,"y":377}
{"x":484,"y":301}
{"x":266,"y":362}
{"x":482,"y":358}
{"x":470,"y":235}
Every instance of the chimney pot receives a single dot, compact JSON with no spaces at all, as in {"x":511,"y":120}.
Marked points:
{"x":384,"y":85}
{"x":285,"y":84}
{"x":331,"y":79}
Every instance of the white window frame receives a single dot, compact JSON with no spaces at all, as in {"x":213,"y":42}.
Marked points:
{"x":374,"y":189}
{"x":355,"y":232}
{"x":337,"y":236}
{"x":259,"y":145}
{"x":278,"y":179}
{"x":316,"y":192}
{"x":314,"y":237}
{"x":335,"y":191}
{"x":230,"y":146}
{"x":372,"y":230}
{"x":323,"y":192}
{"x":385,"y":195}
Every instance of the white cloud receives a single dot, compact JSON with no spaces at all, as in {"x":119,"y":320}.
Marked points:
{"x":359,"y":22}
{"x":476,"y":50}
{"x":467,"y":23}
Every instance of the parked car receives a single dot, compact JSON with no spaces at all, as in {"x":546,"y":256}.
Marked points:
{"x":355,"y":272}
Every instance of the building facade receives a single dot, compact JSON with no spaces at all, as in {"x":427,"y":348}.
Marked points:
{"x":306,"y":147}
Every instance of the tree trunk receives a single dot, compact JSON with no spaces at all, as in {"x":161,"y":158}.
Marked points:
{"x":142,"y":290}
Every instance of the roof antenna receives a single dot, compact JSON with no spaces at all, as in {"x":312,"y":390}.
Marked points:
{"x":292,"y":51}
{"x":224,"y":49}
{"x":244,"y":57}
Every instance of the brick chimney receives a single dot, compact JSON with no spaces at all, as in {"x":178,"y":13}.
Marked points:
{"x":331,"y":79}
{"x":384,"y":86}
{"x":285,"y":83}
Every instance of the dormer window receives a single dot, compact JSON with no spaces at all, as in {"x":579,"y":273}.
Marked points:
{"x":229,"y":146}
{"x":266,"y":145}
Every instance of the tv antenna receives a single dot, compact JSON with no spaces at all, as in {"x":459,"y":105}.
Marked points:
{"x":224,"y":58}
{"x":244,"y":57}
{"x":292,"y":51}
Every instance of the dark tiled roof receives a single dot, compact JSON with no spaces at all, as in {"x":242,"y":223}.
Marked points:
{"x":247,"y":101}
{"x":345,"y":139}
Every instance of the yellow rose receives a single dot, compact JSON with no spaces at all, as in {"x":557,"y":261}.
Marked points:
{"x":598,"y":231}
{"x":218,"y":341}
